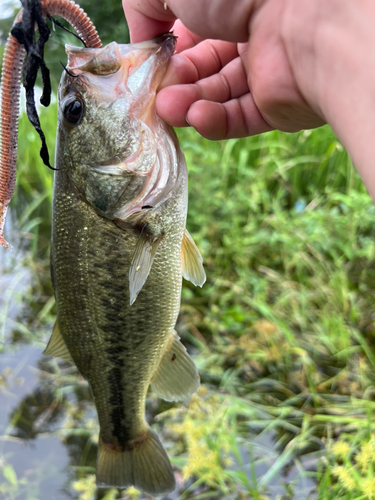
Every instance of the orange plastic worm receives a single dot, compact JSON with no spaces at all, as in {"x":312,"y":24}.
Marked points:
{"x":10,"y":91}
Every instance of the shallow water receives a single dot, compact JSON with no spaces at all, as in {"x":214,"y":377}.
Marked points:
{"x":48,"y":426}
{"x":38,"y":459}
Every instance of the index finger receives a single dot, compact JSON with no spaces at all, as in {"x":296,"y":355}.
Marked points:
{"x":144,"y":27}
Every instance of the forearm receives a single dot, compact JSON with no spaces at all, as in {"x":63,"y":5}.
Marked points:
{"x":330,"y":45}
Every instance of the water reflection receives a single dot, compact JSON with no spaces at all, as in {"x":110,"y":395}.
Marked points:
{"x":24,"y":418}
{"x":48,"y":424}
{"x":36,"y":414}
{"x":49,"y":433}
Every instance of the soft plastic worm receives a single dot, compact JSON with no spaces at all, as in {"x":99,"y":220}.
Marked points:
{"x":10,"y":91}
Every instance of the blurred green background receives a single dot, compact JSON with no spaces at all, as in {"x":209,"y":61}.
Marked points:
{"x":283,"y":332}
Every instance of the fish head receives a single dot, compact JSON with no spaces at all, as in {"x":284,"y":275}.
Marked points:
{"x":111,"y":144}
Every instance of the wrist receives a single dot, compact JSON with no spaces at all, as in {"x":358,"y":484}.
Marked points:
{"x":330,"y":45}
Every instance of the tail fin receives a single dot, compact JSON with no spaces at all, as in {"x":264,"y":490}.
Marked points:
{"x":144,"y":465}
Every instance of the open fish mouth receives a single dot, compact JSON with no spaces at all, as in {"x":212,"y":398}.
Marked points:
{"x":135,"y":162}
{"x":115,"y":158}
{"x":136,"y":65}
{"x":120,"y":203}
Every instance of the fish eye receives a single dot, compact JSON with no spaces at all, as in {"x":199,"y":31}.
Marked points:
{"x":74,"y":109}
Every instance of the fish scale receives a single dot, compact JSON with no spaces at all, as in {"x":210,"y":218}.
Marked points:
{"x":119,"y":252}
{"x":96,"y":311}
{"x":119,"y":243}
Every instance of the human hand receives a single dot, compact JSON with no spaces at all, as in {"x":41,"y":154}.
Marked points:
{"x":222,"y":81}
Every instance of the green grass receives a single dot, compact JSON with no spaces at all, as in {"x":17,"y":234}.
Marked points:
{"x":283,"y":330}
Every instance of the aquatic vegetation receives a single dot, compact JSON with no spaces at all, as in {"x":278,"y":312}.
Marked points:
{"x":282,"y":333}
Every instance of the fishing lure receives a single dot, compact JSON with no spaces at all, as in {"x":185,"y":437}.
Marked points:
{"x":35,"y":11}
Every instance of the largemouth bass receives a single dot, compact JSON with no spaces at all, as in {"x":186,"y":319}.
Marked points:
{"x":119,"y":251}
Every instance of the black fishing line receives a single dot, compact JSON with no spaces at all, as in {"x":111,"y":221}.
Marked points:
{"x":69,"y":73}
{"x":24,"y":32}
{"x":57,"y":23}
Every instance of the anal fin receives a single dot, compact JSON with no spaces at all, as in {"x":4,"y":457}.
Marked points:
{"x":176,"y":377}
{"x":141,"y":262}
{"x":191,"y":261}
{"x":56,"y":346}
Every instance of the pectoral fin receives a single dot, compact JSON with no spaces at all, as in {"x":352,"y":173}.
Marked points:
{"x":56,"y":346}
{"x":191,"y":261}
{"x":176,"y":377}
{"x":142,"y":259}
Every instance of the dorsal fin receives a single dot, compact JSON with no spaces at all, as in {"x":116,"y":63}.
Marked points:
{"x":191,"y":261}
{"x":142,"y":259}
